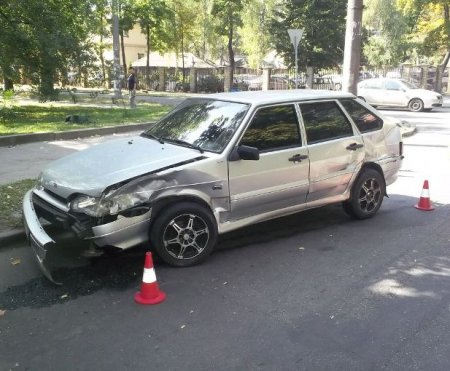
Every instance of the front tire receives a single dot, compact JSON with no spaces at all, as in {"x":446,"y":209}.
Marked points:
{"x":366,"y":196}
{"x":184,"y":234}
{"x":415,"y":105}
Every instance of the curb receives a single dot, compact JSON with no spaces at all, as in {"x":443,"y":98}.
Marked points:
{"x":11,"y":237}
{"x":13,"y":140}
{"x":408,"y":132}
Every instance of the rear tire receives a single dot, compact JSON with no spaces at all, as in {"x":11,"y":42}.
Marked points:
{"x":366,"y":195}
{"x":184,"y":234}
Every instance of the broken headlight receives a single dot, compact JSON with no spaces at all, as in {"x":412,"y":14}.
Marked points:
{"x":110,"y":204}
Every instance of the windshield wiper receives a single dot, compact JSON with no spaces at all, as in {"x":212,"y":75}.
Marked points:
{"x":148,"y":135}
{"x":183,"y":143}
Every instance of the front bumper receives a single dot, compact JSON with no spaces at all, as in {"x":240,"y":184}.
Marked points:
{"x":124,"y":232}
{"x":38,"y":239}
{"x":437,"y":102}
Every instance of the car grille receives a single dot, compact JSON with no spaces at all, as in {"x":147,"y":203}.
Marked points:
{"x":79,"y":223}
{"x":50,"y":212}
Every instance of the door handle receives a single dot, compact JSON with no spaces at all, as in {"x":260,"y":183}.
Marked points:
{"x":354,"y":146}
{"x":298,"y":158}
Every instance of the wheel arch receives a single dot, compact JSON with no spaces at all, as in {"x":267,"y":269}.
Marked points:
{"x":373,"y":166}
{"x":413,"y":99}
{"x":165,"y":202}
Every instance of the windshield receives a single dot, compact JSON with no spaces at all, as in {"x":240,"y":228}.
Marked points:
{"x":204,"y":123}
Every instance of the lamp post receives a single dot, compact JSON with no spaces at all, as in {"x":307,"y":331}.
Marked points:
{"x":295,"y":36}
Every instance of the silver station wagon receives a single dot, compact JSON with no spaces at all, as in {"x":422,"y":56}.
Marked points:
{"x":216,"y":163}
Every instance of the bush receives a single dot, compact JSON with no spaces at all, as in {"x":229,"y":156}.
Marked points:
{"x":210,"y":84}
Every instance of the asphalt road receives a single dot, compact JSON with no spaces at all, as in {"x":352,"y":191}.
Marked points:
{"x":313,"y":291}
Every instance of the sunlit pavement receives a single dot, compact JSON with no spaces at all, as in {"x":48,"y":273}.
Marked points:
{"x":427,"y":155}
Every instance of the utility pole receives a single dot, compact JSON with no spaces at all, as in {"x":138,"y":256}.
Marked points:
{"x":116,"y":50}
{"x":352,"y":51}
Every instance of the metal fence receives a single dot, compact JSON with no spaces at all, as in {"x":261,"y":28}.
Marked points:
{"x":245,"y":79}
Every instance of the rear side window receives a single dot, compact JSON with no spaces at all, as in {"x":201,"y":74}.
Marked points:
{"x":364,"y":119}
{"x":324,"y":121}
{"x":273,"y":128}
{"x":392,"y":85}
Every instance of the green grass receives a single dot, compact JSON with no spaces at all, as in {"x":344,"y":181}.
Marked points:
{"x":11,"y":196}
{"x":51,"y":118}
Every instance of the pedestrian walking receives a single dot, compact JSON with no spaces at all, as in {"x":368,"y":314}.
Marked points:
{"x":131,"y":84}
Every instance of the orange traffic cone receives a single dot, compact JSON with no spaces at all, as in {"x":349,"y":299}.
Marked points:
{"x":424,"y":201}
{"x":150,"y":292}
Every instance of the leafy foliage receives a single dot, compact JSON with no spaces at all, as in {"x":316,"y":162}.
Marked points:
{"x":324,"y":31}
{"x":40,"y":38}
{"x":254,"y":32}
{"x":11,"y":202}
{"x":42,"y":41}
{"x":416,"y":31}
{"x":229,"y":17}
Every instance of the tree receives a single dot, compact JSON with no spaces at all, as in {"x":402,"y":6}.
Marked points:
{"x":430,"y":26}
{"x":229,"y":18}
{"x":152,"y":17}
{"x":184,"y":27}
{"x":407,"y":30}
{"x":387,"y":43}
{"x":254,"y":33}
{"x":39,"y":38}
{"x":324,"y":28}
{"x":100,"y":28}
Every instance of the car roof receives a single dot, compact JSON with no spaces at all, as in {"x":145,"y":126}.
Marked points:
{"x":278,"y":96}
{"x":382,"y":78}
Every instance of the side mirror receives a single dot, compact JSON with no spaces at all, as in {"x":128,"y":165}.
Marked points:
{"x":244,"y":153}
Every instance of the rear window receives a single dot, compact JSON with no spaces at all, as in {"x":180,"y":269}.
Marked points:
{"x":364,"y":119}
{"x":324,"y":121}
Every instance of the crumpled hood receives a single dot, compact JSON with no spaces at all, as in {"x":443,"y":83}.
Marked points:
{"x":92,"y":170}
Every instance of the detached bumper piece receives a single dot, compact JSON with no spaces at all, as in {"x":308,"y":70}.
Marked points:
{"x":39,"y":241}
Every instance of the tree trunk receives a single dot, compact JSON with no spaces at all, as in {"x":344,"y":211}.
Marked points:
{"x":46,"y":89}
{"x":147,"y":64}
{"x":124,"y":61}
{"x":102,"y":59}
{"x":440,"y":73}
{"x":182,"y":55}
{"x":8,"y":84}
{"x":230,"y":48}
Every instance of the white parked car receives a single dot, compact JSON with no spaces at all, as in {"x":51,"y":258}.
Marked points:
{"x":398,"y":93}
{"x":217,"y":163}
